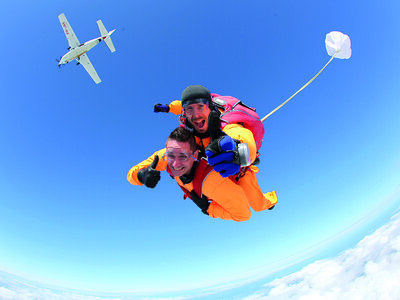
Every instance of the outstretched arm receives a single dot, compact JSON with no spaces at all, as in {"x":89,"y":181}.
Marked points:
{"x":132,"y":176}
{"x":174,"y":107}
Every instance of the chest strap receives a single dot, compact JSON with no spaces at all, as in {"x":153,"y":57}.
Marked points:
{"x":202,"y":171}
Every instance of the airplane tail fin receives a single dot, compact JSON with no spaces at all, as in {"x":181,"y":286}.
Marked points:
{"x":106,"y":35}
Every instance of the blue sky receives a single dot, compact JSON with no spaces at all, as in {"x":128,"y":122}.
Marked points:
{"x":68,"y":216}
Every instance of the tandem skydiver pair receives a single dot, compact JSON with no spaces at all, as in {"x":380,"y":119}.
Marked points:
{"x":212,"y":155}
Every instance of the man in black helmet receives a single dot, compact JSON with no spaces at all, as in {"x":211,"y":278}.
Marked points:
{"x":196,"y":104}
{"x":223,"y":149}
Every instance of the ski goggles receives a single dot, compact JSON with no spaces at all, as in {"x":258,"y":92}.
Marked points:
{"x":194,"y":101}
{"x":190,"y":110}
{"x":170,"y":156}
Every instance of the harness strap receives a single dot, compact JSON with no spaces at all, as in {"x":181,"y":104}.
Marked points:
{"x":202,"y":170}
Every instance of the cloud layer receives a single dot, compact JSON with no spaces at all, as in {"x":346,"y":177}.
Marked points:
{"x":371,"y":270}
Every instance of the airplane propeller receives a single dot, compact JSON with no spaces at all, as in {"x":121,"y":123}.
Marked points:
{"x":58,"y":60}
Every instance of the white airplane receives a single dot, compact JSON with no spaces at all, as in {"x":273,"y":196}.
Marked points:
{"x":78,"y":51}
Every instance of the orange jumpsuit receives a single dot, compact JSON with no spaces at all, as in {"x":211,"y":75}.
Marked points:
{"x":257,"y":200}
{"x":229,"y":201}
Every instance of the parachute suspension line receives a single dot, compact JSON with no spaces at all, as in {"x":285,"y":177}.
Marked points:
{"x":302,"y":88}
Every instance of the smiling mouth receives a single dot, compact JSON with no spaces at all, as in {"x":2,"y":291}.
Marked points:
{"x":177,"y":169}
{"x":200,"y":124}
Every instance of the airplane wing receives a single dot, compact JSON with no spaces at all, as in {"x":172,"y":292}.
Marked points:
{"x":69,"y":33}
{"x":85,"y":62}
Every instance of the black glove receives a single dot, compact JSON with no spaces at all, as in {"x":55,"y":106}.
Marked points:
{"x":161,"y":108}
{"x":222,"y":152}
{"x":150,"y":176}
{"x":202,"y":202}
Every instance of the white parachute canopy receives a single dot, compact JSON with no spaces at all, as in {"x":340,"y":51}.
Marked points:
{"x":338,"y":44}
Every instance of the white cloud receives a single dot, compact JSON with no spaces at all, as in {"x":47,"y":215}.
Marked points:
{"x":371,"y":270}
{"x":15,"y":288}
{"x":12,"y":288}
{"x":7,"y":294}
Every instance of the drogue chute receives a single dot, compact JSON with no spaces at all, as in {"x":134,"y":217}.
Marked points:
{"x":337,"y":45}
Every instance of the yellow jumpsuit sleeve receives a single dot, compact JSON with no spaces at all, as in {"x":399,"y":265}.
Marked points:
{"x":244,"y":135}
{"x":175,"y":107}
{"x":161,"y":166}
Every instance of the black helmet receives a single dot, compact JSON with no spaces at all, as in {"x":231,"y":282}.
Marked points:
{"x":195,"y":94}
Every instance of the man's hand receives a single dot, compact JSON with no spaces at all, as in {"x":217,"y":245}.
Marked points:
{"x":150,"y":176}
{"x":161,"y":108}
{"x":222,"y":152}
{"x":202,"y":202}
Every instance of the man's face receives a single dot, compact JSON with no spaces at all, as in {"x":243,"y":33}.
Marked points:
{"x":197,"y":115}
{"x":179,"y":157}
